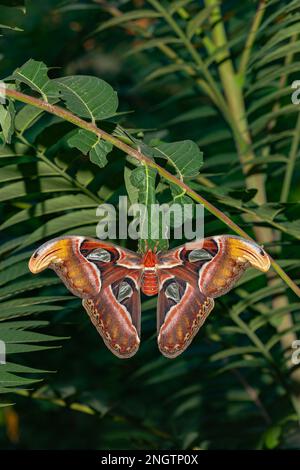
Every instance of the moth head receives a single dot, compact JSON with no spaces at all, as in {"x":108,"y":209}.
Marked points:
{"x":248,"y":251}
{"x":149,"y":259}
{"x":51,"y":254}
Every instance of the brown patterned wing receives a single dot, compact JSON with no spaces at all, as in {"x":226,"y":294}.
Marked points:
{"x":116,"y":314}
{"x":181,"y":311}
{"x":221,"y":261}
{"x":107,"y":278}
{"x":191,"y":276}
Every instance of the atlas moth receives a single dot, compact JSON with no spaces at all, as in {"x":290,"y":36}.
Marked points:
{"x":186,"y":279}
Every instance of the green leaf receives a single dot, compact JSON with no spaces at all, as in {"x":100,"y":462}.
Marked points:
{"x":184,"y":156}
{"x":127,"y":17}
{"x":21,"y":325}
{"x":266,"y":212}
{"x":29,"y":301}
{"x":51,"y":206}
{"x":13,"y":272}
{"x":269,"y":211}
{"x":192,"y":114}
{"x":8,"y":262}
{"x":35,"y":75}
{"x":7,"y":115}
{"x":16,"y":172}
{"x":45,"y":185}
{"x":7,"y":152}
{"x":27,"y":117}
{"x":20,"y":311}
{"x":20,"y":348}
{"x":279,"y":53}
{"x":234,"y":352}
{"x":292,"y":228}
{"x":12,"y":17}
{"x":243,"y":363}
{"x":256,"y":297}
{"x":261,"y":122}
{"x":132,"y":190}
{"x":282,"y":34}
{"x":273,"y":74}
{"x":10,"y":380}
{"x":88,"y":97}
{"x":179,"y":195}
{"x":87,"y":142}
{"x":143,"y":179}
{"x":176,"y":5}
{"x":151,"y":44}
{"x":272,"y":437}
{"x":21,"y":336}
{"x":274,"y":317}
{"x":14,"y":28}
{"x":77,"y":218}
{"x":19,"y":369}
{"x":166,"y":70}
{"x":99,"y":152}
{"x":11,"y":244}
{"x":78,"y":7}
{"x":194,"y":25}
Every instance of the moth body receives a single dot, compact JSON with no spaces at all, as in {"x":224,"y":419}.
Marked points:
{"x":149,"y":284}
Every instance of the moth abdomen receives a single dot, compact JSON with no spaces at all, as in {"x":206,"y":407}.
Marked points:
{"x":149,"y":284}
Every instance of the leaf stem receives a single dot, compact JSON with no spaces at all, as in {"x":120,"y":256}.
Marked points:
{"x":251,"y":37}
{"x":266,"y":354}
{"x":61,"y":172}
{"x":210,"y":82}
{"x":234,"y":97}
{"x":81,"y":407}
